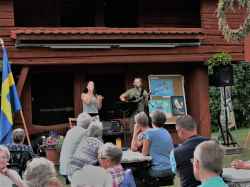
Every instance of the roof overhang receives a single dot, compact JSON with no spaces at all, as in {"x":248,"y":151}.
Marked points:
{"x":108,"y":45}
{"x":106,"y":38}
{"x":100,"y":33}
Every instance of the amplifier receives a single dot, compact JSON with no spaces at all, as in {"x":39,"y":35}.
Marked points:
{"x":113,"y":126}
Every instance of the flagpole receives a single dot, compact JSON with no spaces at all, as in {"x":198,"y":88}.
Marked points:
{"x":21,"y":111}
{"x":25,"y":127}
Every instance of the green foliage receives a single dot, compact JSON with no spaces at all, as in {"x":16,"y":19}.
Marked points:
{"x":217,"y":60}
{"x":240,"y":97}
{"x":241,"y":93}
{"x":214,"y":106}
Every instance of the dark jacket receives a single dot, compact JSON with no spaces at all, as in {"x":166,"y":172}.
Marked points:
{"x":183,"y":155}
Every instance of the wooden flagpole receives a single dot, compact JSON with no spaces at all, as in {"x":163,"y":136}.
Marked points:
{"x":25,"y":127}
{"x":21,"y":110}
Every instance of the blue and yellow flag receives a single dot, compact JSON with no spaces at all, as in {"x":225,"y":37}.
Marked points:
{"x":10,"y":102}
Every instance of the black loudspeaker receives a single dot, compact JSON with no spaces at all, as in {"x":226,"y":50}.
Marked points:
{"x":222,"y":76}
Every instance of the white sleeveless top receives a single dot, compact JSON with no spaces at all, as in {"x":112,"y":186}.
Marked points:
{"x":91,"y":107}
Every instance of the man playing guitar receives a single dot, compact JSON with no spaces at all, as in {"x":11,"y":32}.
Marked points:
{"x":137,"y":95}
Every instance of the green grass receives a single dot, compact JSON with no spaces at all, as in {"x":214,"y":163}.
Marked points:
{"x":240,"y":136}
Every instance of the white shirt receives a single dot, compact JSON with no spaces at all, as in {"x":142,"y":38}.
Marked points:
{"x":70,"y":143}
{"x":91,"y":176}
{"x":5,"y":181}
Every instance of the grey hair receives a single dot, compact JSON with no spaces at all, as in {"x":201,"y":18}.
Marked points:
{"x":186,"y":122}
{"x":158,"y":118}
{"x":95,"y":129}
{"x":6,"y":150}
{"x":111,"y":152}
{"x":18,"y":135}
{"x":142,"y":119}
{"x":83,"y":120}
{"x":39,"y":172}
{"x":210,"y":154}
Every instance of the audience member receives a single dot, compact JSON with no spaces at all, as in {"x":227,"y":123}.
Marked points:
{"x":91,"y":176}
{"x":186,"y":129}
{"x":72,"y":139}
{"x":208,"y":164}
{"x":18,"y":142}
{"x":141,"y":125}
{"x":239,"y":164}
{"x":157,"y":143}
{"x":109,"y":157}
{"x":87,"y":150}
{"x":41,"y":172}
{"x":8,"y":177}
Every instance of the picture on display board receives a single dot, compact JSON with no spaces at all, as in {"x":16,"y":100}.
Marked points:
{"x":161,"y":87}
{"x":167,"y":95}
{"x":163,"y":105}
{"x":178,"y":105}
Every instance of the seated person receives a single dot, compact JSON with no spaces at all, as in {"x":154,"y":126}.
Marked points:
{"x":18,"y":142}
{"x":87,"y":150}
{"x":128,"y":180}
{"x":208,"y":164}
{"x":8,"y":177}
{"x":239,"y":164}
{"x":91,"y":176}
{"x":20,"y":153}
{"x":41,"y":172}
{"x":141,"y":125}
{"x":186,"y":129}
{"x":158,"y":143}
{"x":72,"y":139}
{"x":109,"y":157}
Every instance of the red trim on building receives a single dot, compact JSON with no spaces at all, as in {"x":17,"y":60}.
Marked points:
{"x":60,"y":33}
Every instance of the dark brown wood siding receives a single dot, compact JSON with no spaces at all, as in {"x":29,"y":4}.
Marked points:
{"x":190,"y":58}
{"x":178,"y":13}
{"x":213,"y":36}
{"x":213,"y":42}
{"x":6,"y":22}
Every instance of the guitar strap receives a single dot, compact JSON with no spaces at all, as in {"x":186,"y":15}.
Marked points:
{"x":142,"y":90}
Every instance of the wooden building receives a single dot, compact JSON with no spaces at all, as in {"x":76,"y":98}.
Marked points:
{"x":55,"y":46}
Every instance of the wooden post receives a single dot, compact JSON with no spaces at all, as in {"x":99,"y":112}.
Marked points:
{"x":78,"y":88}
{"x":21,"y":81}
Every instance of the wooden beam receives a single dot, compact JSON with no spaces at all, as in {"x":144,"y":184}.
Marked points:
{"x":22,"y":79}
{"x":198,"y":99}
{"x":27,"y":103}
{"x":78,"y":88}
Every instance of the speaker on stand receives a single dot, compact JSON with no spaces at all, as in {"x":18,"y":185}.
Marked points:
{"x":223,"y":77}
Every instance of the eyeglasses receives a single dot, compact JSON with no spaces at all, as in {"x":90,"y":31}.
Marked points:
{"x":4,"y":158}
{"x":101,"y":157}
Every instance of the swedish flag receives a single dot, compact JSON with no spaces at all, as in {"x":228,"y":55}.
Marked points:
{"x":10,"y":102}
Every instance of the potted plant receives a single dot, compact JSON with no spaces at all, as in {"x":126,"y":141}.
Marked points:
{"x":220,"y":70}
{"x":53,"y":147}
